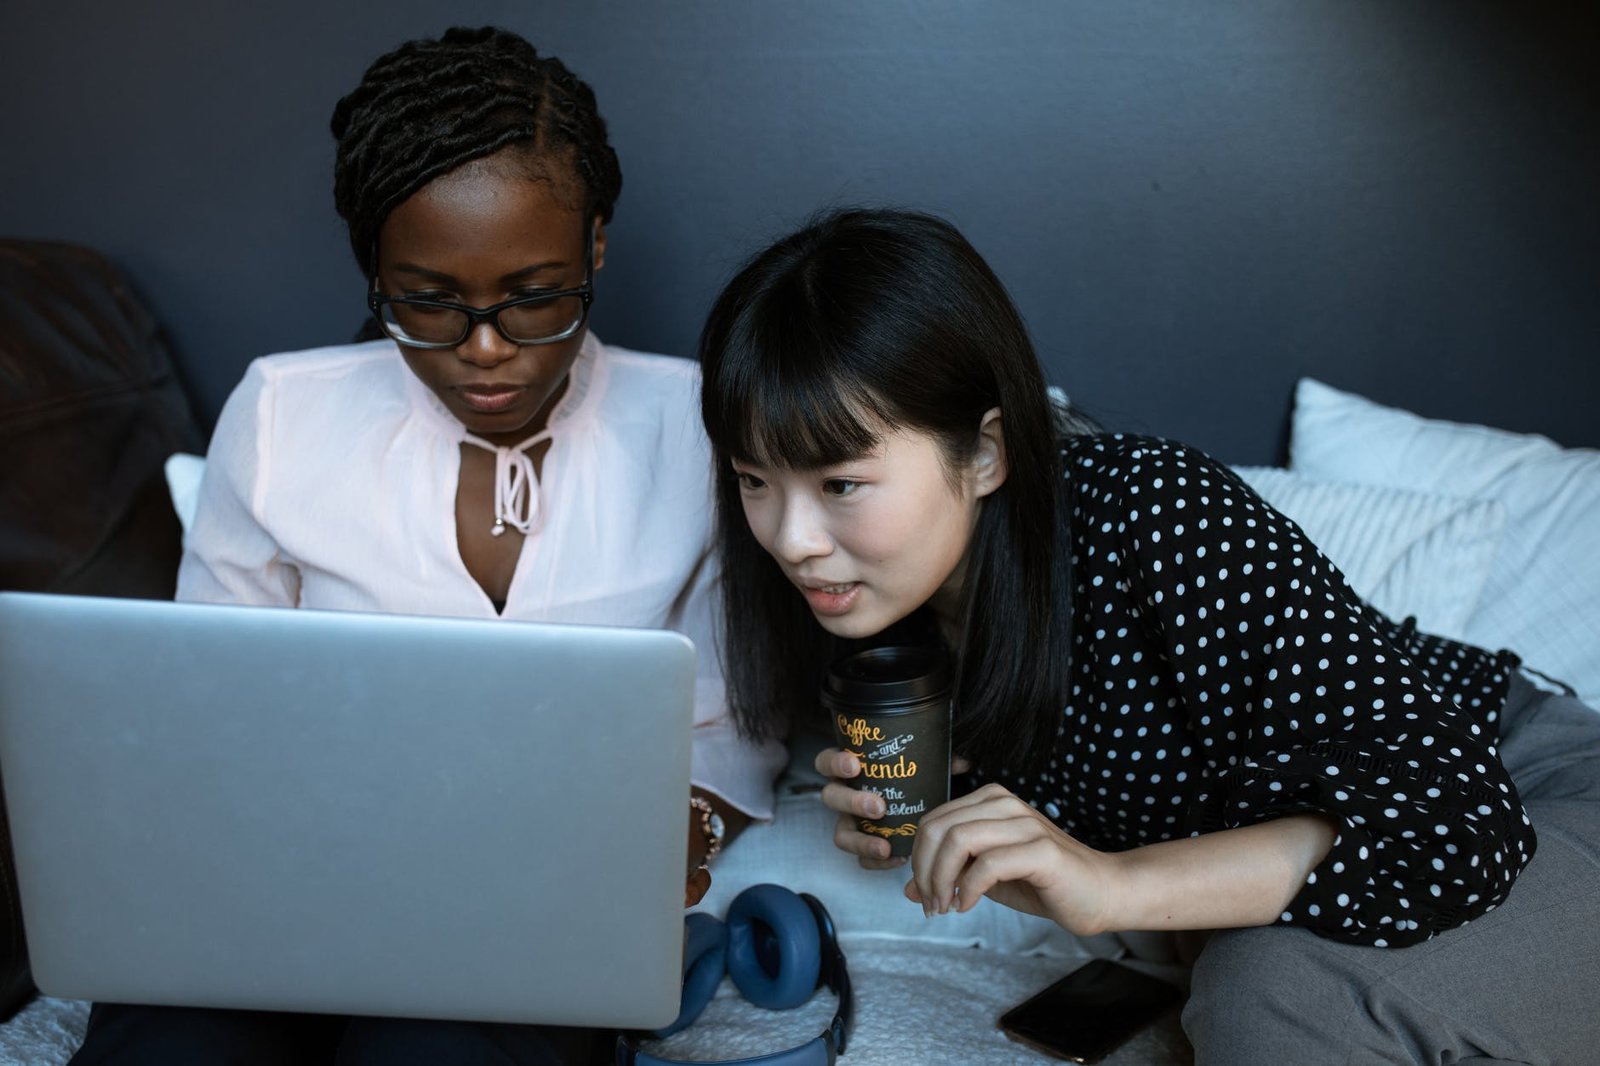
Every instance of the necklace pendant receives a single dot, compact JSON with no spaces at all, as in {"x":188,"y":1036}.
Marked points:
{"x":499,"y":529}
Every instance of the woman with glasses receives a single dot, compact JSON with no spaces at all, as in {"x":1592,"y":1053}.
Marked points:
{"x":485,"y":456}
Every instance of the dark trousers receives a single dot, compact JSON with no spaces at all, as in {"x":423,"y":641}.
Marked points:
{"x":181,"y":1036}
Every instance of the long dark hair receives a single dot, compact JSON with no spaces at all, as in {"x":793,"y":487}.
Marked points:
{"x":890,"y":316}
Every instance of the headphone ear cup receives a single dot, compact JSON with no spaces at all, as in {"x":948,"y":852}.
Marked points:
{"x":705,"y":954}
{"x":774,"y":949}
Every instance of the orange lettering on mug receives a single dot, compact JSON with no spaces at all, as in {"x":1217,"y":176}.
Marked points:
{"x":858,"y":730}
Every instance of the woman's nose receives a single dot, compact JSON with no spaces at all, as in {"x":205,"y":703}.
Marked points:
{"x":485,"y":347}
{"x":802,"y":534}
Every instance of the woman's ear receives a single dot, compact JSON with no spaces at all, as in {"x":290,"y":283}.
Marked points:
{"x":989,"y":464}
{"x":599,"y":243}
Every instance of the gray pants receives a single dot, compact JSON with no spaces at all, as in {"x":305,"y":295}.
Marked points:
{"x":1520,"y":985}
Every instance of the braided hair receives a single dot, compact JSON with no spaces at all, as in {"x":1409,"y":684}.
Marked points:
{"x":431,"y":105}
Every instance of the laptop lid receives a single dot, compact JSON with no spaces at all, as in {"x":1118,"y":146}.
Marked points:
{"x":350,"y":813}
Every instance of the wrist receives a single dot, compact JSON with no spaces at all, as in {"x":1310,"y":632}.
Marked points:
{"x":1121,"y":893}
{"x":708,"y":830}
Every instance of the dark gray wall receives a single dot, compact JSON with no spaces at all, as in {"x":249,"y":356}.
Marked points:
{"x":1194,"y":204}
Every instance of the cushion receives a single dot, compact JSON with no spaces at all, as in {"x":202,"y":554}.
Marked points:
{"x":183,"y":484}
{"x":1542,"y":595}
{"x":89,"y":407}
{"x":1407,"y":553}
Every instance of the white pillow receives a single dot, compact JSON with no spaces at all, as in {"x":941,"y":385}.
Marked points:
{"x":183,"y":485}
{"x":796,"y":850}
{"x":1542,"y":597}
{"x":1407,"y":553}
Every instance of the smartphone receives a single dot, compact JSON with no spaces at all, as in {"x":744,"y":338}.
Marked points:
{"x":1090,"y":1012}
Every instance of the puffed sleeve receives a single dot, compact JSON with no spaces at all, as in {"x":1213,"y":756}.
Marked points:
{"x":1300,"y":701}
{"x":228,"y":555}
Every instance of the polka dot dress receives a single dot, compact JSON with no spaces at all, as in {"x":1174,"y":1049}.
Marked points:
{"x":1225,"y":674}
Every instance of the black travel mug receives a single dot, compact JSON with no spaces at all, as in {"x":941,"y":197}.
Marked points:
{"x":891,"y":709}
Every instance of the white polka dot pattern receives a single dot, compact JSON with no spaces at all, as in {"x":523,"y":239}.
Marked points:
{"x":1224,"y":674}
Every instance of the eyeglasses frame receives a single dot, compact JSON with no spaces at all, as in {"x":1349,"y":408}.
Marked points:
{"x":476,"y":316}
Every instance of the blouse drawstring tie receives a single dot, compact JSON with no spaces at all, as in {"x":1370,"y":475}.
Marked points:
{"x":516,"y":485}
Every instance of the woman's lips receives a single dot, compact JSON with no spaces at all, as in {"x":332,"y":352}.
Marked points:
{"x":831,"y":600}
{"x":489,"y":399}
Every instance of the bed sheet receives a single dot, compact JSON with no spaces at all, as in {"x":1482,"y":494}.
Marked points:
{"x":917,"y":1004}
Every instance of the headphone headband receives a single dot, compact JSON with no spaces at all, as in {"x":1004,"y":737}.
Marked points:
{"x":779,"y":948}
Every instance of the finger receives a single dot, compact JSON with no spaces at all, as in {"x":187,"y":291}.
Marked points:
{"x":835,"y":762}
{"x":846,"y":837}
{"x":856,"y":801}
{"x":939,"y":871}
{"x":990,"y":793}
{"x":946,"y":860}
{"x":989,"y":802}
{"x":1029,"y":862}
{"x":883,"y":864}
{"x":959,"y":764}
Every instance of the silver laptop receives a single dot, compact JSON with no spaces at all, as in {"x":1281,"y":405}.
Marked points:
{"x":351,"y":813}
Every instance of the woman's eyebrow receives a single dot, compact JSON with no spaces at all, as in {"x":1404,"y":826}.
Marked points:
{"x":536,"y":268}
{"x":439,"y":277}
{"x":421,"y":272}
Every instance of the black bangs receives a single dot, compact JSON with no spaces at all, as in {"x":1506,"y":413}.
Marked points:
{"x":863,"y":323}
{"x":788,"y":399}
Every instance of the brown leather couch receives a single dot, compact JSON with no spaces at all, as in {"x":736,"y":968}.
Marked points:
{"x":90,"y":408}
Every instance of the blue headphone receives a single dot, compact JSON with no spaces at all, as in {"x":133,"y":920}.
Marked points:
{"x":778,"y":947}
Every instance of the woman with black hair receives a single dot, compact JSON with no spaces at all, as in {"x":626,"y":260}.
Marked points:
{"x":1179,"y":714}
{"x":484,"y":457}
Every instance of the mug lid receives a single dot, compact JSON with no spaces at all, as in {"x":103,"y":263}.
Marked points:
{"x":889,"y":677}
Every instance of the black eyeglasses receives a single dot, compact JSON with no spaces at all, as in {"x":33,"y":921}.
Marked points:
{"x":538,"y":318}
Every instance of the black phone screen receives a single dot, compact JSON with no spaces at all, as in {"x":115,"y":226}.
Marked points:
{"x":1089,"y":1012}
